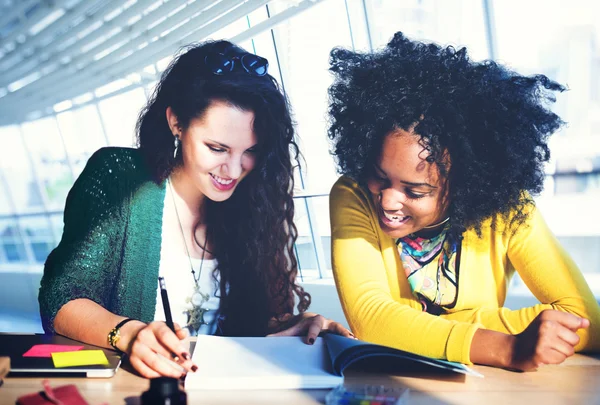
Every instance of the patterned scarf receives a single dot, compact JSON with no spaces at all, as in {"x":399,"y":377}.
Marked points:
{"x":431,"y":269}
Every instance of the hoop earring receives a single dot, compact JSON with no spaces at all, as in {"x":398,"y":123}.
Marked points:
{"x":176,"y":143}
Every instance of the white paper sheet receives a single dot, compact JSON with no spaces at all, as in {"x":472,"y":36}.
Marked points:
{"x":260,"y":363}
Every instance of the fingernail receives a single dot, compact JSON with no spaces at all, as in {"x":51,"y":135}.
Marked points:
{"x":194,"y":368}
{"x":311,"y":341}
{"x":186,"y":356}
{"x":182,"y":378}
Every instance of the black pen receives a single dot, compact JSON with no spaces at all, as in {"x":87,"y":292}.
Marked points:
{"x":165,"y":302}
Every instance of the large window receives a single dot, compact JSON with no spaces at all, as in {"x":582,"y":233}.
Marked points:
{"x":119,"y":115}
{"x":83,"y":134}
{"x":303,"y":56}
{"x":40,"y":159}
{"x":13,"y":248}
{"x":447,"y":22}
{"x":46,"y":148}
{"x":15,"y":161}
{"x":37,"y":233}
{"x":561,"y":41}
{"x":304,"y":60}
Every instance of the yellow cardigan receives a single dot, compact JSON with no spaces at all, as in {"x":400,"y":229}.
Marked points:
{"x":380,"y":307}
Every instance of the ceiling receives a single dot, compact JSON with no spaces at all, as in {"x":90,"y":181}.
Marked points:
{"x":57,"y":50}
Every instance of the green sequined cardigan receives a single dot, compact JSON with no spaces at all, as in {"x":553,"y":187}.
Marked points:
{"x":110,"y":248}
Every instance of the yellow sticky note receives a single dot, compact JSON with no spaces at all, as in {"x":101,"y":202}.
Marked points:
{"x":79,"y":358}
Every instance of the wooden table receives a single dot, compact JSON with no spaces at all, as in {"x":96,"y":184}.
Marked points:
{"x":577,"y":381}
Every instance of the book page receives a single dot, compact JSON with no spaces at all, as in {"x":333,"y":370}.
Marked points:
{"x":345,"y":352}
{"x":260,"y":363}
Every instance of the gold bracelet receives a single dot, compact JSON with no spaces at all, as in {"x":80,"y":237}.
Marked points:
{"x":115,"y":334}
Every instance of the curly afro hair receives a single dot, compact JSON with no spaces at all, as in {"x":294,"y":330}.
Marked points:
{"x":493,"y":123}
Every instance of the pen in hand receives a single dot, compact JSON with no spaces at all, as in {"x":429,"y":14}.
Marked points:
{"x":165,"y":302}
{"x":168,"y":318}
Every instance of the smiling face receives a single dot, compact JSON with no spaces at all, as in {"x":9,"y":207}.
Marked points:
{"x":219,"y":150}
{"x":407,"y":190}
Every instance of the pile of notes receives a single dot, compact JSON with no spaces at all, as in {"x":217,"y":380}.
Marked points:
{"x":67,"y":355}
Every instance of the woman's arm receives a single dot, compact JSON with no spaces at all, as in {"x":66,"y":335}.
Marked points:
{"x":370,"y":293}
{"x":555,"y":280}
{"x":549,"y":339}
{"x":81,"y":273}
{"x":87,"y":321}
{"x":150,"y":347}
{"x":551,"y":276}
{"x":85,"y":262}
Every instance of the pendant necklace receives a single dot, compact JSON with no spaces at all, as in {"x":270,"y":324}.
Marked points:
{"x":198,"y":298}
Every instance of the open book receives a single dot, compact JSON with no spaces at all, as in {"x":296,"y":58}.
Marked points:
{"x":289,"y":363}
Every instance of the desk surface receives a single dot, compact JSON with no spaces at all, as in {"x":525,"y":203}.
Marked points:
{"x":577,"y":381}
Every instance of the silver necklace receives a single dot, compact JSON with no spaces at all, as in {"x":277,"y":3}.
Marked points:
{"x":198,"y":298}
{"x":413,"y":235}
{"x":436,"y":225}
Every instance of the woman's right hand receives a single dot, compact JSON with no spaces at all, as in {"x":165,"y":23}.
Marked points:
{"x":154,"y":350}
{"x":549,"y":339}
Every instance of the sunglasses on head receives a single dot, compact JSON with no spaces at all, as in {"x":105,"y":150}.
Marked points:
{"x":223,"y":63}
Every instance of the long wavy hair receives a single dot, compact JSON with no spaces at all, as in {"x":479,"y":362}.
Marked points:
{"x":252,"y":233}
{"x":494,"y":123}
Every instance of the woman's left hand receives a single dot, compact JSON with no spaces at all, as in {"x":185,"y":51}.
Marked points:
{"x":310,"y":325}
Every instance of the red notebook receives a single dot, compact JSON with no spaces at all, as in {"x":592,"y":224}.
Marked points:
{"x":64,"y":395}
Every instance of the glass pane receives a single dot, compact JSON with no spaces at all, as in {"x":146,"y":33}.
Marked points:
{"x":37,"y":232}
{"x":5,"y":205}
{"x":262,"y":45}
{"x":448,"y":22}
{"x":119,"y":114}
{"x":256,"y":17}
{"x":57,"y":224}
{"x":304,"y":58}
{"x":562,"y":43}
{"x":584,"y":251}
{"x":565,"y":50}
{"x":15,"y":161}
{"x":305,"y":249}
{"x":51,"y":166}
{"x":13,"y":250}
{"x":358,"y":23}
{"x":320,"y":208}
{"x":231,"y":30}
{"x":82,"y":132}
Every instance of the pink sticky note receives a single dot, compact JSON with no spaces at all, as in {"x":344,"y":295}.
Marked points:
{"x":47,"y":350}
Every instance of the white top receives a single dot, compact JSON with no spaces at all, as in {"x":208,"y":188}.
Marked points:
{"x":175,"y":268}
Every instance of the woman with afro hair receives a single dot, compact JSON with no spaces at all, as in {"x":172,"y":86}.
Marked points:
{"x":433,"y":214}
